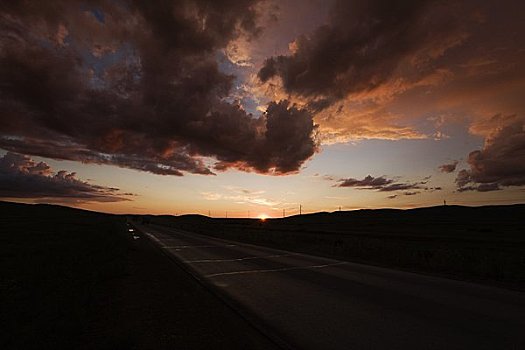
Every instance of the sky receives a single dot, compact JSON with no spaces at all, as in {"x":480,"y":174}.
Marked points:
{"x":255,"y":108}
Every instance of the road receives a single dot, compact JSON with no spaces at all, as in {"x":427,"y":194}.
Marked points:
{"x":317,"y":303}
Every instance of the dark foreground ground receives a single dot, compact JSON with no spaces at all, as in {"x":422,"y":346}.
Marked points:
{"x":482,"y":244}
{"x":72,"y":279}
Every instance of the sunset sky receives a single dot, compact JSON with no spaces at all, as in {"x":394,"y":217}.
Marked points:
{"x":251,"y":107}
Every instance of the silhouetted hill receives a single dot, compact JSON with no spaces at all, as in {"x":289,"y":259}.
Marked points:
{"x":443,"y":212}
{"x":11,"y":208}
{"x":440,"y":213}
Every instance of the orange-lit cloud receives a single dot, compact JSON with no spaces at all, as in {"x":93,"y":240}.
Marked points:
{"x":501,"y":161}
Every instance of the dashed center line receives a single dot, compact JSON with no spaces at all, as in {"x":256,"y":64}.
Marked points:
{"x":242,"y":272}
{"x":245,"y":272}
{"x":239,"y":259}
{"x":196,"y":246}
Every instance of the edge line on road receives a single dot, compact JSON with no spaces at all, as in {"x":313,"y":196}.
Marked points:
{"x":239,"y":259}
{"x":245,"y":272}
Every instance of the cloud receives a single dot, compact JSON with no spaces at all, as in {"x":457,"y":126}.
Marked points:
{"x":368,"y":181}
{"x":137,"y":84}
{"x":500,"y":163}
{"x":449,"y":167}
{"x":278,"y":146}
{"x":150,"y":85}
{"x":411,"y":193}
{"x":351,"y":69}
{"x":21,"y":177}
{"x":241,"y":196}
{"x":383,"y":184}
{"x":361,"y":47}
{"x":211,"y":196}
{"x":378,"y":69}
{"x":408,"y":193}
{"x":401,"y":187}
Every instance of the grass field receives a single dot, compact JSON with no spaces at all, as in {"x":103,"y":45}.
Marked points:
{"x":481,"y":244}
{"x":72,"y":279}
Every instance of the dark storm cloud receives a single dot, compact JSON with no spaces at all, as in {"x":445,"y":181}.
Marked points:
{"x":21,"y":177}
{"x":501,"y":162}
{"x":384,"y":184}
{"x":449,"y":167}
{"x":282,"y":143}
{"x":138,"y":87}
{"x":359,"y":48}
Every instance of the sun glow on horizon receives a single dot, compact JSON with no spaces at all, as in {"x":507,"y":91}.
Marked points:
{"x":263,"y":217}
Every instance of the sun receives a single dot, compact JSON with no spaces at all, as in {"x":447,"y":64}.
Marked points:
{"x":262,"y":217}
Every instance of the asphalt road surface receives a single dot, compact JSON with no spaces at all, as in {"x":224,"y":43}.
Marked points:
{"x":310,"y":302}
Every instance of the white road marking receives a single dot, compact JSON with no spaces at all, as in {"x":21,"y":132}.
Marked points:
{"x":274,"y":270}
{"x":186,"y":246}
{"x":244,"y":272}
{"x":164,"y":246}
{"x":196,"y":246}
{"x":239,"y":259}
{"x":154,"y":238}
